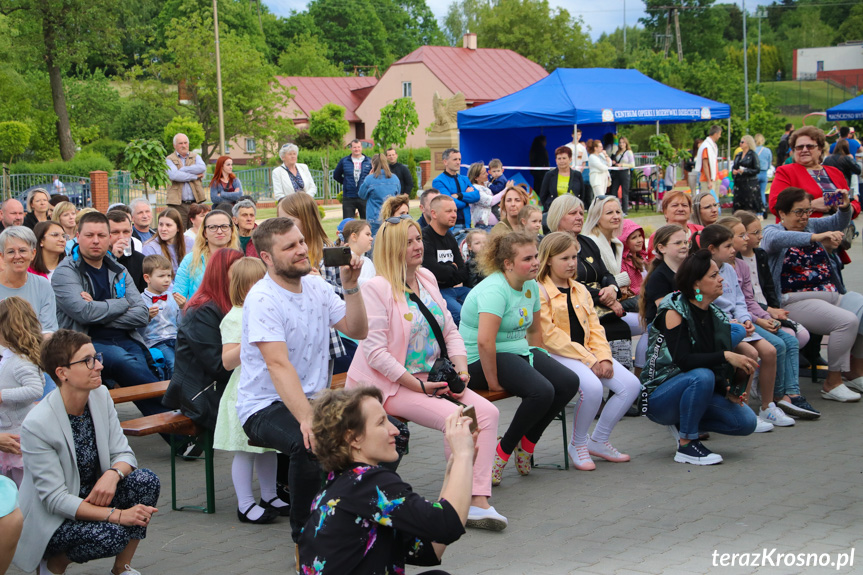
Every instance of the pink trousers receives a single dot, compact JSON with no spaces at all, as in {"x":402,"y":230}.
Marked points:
{"x":432,"y":412}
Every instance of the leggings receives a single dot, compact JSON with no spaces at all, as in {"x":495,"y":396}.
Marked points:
{"x":544,"y":388}
{"x":829,"y":313}
{"x":84,"y":541}
{"x":625,"y":387}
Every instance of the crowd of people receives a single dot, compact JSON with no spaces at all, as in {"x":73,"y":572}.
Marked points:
{"x":250,"y":320}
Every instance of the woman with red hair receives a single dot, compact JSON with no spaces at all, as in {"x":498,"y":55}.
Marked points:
{"x":199,"y":375}
{"x":225,"y":186}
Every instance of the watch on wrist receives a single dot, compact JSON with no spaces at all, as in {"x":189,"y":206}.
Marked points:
{"x":352,"y":291}
{"x":120,"y":473}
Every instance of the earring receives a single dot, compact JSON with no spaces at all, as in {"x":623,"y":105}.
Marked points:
{"x":698,"y":296}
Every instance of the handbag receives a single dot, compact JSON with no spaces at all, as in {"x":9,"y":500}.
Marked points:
{"x":443,"y":363}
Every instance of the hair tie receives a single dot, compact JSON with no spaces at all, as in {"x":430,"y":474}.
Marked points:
{"x":340,"y":237}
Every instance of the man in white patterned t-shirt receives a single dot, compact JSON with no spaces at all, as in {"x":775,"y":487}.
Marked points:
{"x":287,"y":318}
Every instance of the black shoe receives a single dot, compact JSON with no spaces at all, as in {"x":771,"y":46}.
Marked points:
{"x":696,"y":454}
{"x":189,"y":451}
{"x":268,"y":516}
{"x":283,"y":511}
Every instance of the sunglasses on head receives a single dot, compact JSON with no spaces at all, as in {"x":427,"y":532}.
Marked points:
{"x":397,"y":219}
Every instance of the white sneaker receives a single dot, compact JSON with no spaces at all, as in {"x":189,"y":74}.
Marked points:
{"x":490,"y":519}
{"x":855,"y":384}
{"x":763,"y":426}
{"x":128,"y":571}
{"x":841,"y":393}
{"x":775,"y":416}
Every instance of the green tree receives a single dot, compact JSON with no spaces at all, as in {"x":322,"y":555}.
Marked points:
{"x":140,"y":119}
{"x":551,"y":37}
{"x":851,"y":25}
{"x":307,"y":55}
{"x":14,"y":137}
{"x":182,"y":125}
{"x":353,"y":30}
{"x":409,"y":24}
{"x":251,"y":94}
{"x":701,"y":26}
{"x":764,"y":120}
{"x":59,"y":34}
{"x":398,"y":120}
{"x":145,"y":160}
{"x":93,"y":105}
{"x":328,"y":125}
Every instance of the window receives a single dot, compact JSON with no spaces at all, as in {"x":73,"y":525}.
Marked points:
{"x":819,"y":65}
{"x":406,"y":90}
{"x":250,"y":145}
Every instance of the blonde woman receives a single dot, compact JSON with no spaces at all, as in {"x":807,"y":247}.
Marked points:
{"x":747,"y":191}
{"x":64,"y":214}
{"x":581,"y":347}
{"x":217,"y":232}
{"x":402,"y":346}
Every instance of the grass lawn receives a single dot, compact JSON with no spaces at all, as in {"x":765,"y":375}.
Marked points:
{"x":816,"y":94}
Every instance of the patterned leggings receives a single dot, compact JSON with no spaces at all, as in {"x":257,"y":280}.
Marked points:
{"x":84,"y":541}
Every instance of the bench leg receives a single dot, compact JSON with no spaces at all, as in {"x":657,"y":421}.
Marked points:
{"x":206,"y":442}
{"x":562,"y":418}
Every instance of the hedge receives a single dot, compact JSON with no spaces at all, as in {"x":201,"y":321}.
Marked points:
{"x":81,"y":165}
{"x":312,"y":157}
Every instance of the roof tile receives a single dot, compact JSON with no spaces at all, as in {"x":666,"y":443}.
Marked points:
{"x":312,"y":93}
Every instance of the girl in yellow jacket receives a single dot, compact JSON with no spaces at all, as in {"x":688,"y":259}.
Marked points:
{"x":572,"y":334}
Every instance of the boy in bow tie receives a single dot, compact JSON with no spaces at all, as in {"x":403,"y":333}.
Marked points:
{"x":161,"y":333}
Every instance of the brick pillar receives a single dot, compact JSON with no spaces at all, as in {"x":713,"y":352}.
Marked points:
{"x":99,"y":190}
{"x":425,"y":169}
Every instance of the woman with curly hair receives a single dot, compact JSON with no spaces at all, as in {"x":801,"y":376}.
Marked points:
{"x":366,"y":519}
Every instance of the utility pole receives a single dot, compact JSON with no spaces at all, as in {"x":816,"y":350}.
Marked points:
{"x":219,"y":80}
{"x":760,"y":14}
{"x":745,"y":65}
{"x":677,"y":32}
{"x":624,"y":28}
{"x":673,"y":13}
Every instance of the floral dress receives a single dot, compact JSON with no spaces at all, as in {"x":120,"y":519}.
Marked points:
{"x":423,"y":347}
{"x":368,"y":521}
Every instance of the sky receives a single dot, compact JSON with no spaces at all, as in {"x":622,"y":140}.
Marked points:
{"x":599,"y":20}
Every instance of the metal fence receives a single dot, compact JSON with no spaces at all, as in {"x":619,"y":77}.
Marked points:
{"x":19,"y":186}
{"x":257,"y":183}
{"x":123,"y":189}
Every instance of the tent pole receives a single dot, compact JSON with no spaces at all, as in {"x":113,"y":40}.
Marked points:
{"x":729,"y":144}
{"x":657,"y":127}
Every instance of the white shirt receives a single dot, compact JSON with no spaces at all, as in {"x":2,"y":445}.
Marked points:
{"x":302,"y":321}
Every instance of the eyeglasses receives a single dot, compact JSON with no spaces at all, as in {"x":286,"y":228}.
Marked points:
{"x":800,"y":212}
{"x":89,"y":361}
{"x":802,"y":147}
{"x":221,"y":228}
{"x":56,"y":235}
{"x":397,"y":219}
{"x":12,"y":252}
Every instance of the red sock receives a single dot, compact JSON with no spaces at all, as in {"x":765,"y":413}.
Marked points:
{"x":501,"y":454}
{"x":527,"y":446}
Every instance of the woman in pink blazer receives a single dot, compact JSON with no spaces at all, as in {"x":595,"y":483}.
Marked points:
{"x":401,"y":349}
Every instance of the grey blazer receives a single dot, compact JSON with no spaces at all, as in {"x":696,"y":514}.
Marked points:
{"x":49,"y":490}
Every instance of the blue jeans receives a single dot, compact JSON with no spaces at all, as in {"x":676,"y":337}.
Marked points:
{"x":762,"y":182}
{"x":689,"y":401}
{"x":168,"y":354}
{"x":125,"y":362}
{"x":455,"y":297}
{"x":787,"y":361}
{"x":738,"y":332}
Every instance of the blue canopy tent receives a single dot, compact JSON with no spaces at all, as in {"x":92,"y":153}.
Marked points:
{"x":594,"y":99}
{"x":850,"y":110}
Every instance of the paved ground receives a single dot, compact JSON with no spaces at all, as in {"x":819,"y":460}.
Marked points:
{"x":795,"y":490}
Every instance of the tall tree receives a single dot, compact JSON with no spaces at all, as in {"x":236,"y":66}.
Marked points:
{"x":701,"y":26}
{"x":60,"y":34}
{"x":353,"y":30}
{"x":307,"y":55}
{"x":251,"y":93}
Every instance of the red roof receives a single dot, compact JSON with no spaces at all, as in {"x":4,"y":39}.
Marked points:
{"x":482,"y":75}
{"x":312,"y":93}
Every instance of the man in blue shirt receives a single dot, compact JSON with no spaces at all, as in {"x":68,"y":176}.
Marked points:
{"x":458,"y":187}
{"x":853,"y":145}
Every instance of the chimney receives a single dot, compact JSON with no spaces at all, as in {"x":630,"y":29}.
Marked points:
{"x":469,"y":41}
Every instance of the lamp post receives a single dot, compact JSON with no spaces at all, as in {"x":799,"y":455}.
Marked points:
{"x":745,"y":65}
{"x":219,"y":80}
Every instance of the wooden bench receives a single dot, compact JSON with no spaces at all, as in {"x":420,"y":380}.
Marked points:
{"x":173,"y":423}
{"x":139,"y":392}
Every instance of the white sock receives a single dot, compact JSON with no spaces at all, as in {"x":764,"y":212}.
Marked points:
{"x":241,"y":475}
{"x":266,"y":464}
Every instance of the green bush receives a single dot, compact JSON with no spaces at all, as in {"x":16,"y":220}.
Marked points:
{"x":81,"y":165}
{"x":111,"y":149}
{"x":322,"y":211}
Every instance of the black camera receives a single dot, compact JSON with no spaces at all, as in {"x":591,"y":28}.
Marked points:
{"x":444,"y":370}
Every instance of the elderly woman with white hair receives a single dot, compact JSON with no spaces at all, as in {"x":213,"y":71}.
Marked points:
{"x":292,"y":177}
{"x":747,"y":191}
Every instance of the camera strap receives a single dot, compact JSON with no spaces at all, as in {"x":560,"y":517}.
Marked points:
{"x":435,"y":327}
